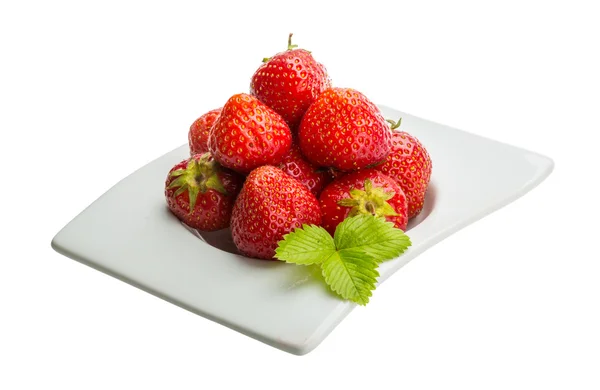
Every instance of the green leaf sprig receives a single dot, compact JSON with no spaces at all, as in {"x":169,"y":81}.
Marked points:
{"x":348,"y":260}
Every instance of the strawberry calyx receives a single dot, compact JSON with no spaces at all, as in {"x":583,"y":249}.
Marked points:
{"x":373,"y":200}
{"x":290,"y":46}
{"x":393,"y":124}
{"x":200,"y":175}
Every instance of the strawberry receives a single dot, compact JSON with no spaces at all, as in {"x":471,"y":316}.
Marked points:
{"x":410,"y":165}
{"x":295,"y":165}
{"x":201,"y":193}
{"x":270,"y":205}
{"x":249,"y":134}
{"x":363,"y":192}
{"x":199,"y":131}
{"x":344,"y":130}
{"x":289,"y":82}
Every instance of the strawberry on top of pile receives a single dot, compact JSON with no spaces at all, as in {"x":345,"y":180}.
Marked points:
{"x":296,"y":153}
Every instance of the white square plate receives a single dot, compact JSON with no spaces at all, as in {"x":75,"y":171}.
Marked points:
{"x":280,"y":304}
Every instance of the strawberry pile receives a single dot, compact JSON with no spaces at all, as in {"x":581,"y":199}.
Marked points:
{"x":295,"y":151}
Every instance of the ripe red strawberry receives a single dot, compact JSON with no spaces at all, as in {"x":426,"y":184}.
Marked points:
{"x":270,"y":205}
{"x":313,"y":177}
{"x":344,"y":130}
{"x":199,"y":131}
{"x":289,"y":82}
{"x":363,"y":192}
{"x":201,"y":193}
{"x":410,"y":165}
{"x":249,"y":134}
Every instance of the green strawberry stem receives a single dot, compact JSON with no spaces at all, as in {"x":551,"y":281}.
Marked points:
{"x":394,"y":124}
{"x":290,"y":46}
{"x":371,"y":201}
{"x":198,"y":177}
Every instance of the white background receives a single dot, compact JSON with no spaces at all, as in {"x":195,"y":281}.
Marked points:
{"x":90,"y":91}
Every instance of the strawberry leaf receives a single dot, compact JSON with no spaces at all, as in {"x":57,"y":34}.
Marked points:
{"x":351,"y":274}
{"x":372,"y":235}
{"x":309,"y":245}
{"x":348,"y":261}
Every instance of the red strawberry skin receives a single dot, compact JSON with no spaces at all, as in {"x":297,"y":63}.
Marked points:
{"x":249,"y":134}
{"x":313,"y":177}
{"x":212,"y":209}
{"x":341,"y":189}
{"x":289,"y":82}
{"x":200,"y":130}
{"x":410,"y":165}
{"x":344,"y":130}
{"x":270,"y":205}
